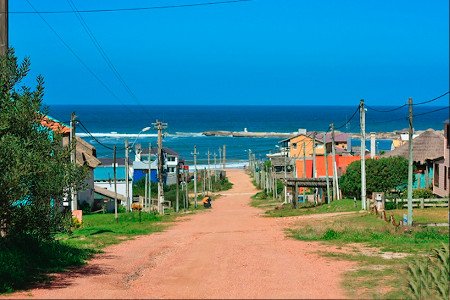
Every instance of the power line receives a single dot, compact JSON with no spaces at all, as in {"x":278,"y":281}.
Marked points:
{"x":432,"y":111}
{"x":77,"y":56}
{"x":385,"y":111}
{"x":103,"y":53}
{"x":404,"y":105}
{"x":95,"y":139}
{"x":130,"y":8}
{"x":347,"y":122}
{"x":431,"y":100}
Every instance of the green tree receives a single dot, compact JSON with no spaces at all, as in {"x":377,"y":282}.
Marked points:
{"x":35,"y":166}
{"x":382,"y":175}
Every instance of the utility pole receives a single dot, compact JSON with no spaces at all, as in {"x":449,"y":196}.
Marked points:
{"x":127,"y":179}
{"x":335,"y":175}
{"x":209,"y":172}
{"x":177,"y":200}
{"x":362,"y":114}
{"x":285,"y":175}
{"x":220,"y":156}
{"x":160,"y":126}
{"x":187,"y":190}
{"x":314,"y":166}
{"x":304,"y":170}
{"x":215,"y":167}
{"x":326,"y":166}
{"x":4,"y":28}
{"x":195,"y":176}
{"x":146,"y":191}
{"x":224,"y":154}
{"x":150,"y":176}
{"x":73,"y":157}
{"x":116,"y":216}
{"x":410,"y":162}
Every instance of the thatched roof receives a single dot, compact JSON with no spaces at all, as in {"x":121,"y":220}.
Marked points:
{"x":427,"y":146}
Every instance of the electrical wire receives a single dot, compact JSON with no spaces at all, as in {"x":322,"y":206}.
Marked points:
{"x":348,"y":121}
{"x":131,"y":8}
{"x":385,"y":111}
{"x":431,"y":100}
{"x":95,"y":139}
{"x":432,"y":111}
{"x":78,"y":57}
{"x":104,"y":55}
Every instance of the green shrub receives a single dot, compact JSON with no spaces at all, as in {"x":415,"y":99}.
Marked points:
{"x":422,"y":193}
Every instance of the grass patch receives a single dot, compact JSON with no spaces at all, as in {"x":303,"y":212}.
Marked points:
{"x":345,"y":205}
{"x":264,"y":201}
{"x":26,"y":261}
{"x":99,"y":231}
{"x":378,"y":275}
{"x":374,"y":232}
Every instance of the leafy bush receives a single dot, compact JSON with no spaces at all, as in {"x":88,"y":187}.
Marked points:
{"x":422,"y":193}
{"x":382,"y":175}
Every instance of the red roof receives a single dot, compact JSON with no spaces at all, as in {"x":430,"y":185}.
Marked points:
{"x":54,"y":125}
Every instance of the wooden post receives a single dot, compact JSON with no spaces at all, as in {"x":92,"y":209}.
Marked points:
{"x":195,"y":176}
{"x":3,"y":27}
{"x":362,"y":114}
{"x":304,"y":170}
{"x":410,"y":162}
{"x":177,"y":199}
{"x":127,"y":179}
{"x":116,"y":216}
{"x":326,"y":167}
{"x":314,"y":166}
{"x":73,"y":157}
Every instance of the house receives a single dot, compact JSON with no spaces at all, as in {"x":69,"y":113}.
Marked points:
{"x":342,"y":141}
{"x":342,"y":162}
{"x":104,"y":178}
{"x":294,"y":145}
{"x":86,"y":155}
{"x":426,"y":148}
{"x":142,"y":157}
{"x":441,"y":166}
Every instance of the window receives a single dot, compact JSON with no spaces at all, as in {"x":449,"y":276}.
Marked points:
{"x":294,"y":145}
{"x":436,"y":175}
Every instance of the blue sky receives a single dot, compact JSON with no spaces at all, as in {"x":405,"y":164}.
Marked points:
{"x":281,"y":52}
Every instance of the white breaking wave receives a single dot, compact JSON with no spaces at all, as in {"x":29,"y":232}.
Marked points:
{"x":116,"y":135}
{"x":135,"y":135}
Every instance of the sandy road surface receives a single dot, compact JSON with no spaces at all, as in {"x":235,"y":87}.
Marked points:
{"x":227,"y":252}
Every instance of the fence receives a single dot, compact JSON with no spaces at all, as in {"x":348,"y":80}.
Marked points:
{"x":421,"y":202}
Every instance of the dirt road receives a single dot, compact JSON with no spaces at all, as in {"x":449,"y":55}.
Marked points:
{"x":229,"y":251}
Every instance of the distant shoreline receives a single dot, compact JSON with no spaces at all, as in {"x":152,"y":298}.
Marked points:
{"x":378,"y":135}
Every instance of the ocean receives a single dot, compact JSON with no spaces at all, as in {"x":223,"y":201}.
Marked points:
{"x":111,"y":125}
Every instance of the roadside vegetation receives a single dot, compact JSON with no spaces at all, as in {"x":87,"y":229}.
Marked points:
{"x":393,"y":261}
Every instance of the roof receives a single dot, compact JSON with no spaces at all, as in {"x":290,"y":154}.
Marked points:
{"x":86,"y":154}
{"x":339,"y":137}
{"x":55,"y":125}
{"x":107,"y":173}
{"x":427,"y":146}
{"x":155,"y":151}
{"x":107,"y":193}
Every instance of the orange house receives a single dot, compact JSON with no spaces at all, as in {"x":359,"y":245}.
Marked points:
{"x":296,"y":144}
{"x":342,"y":163}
